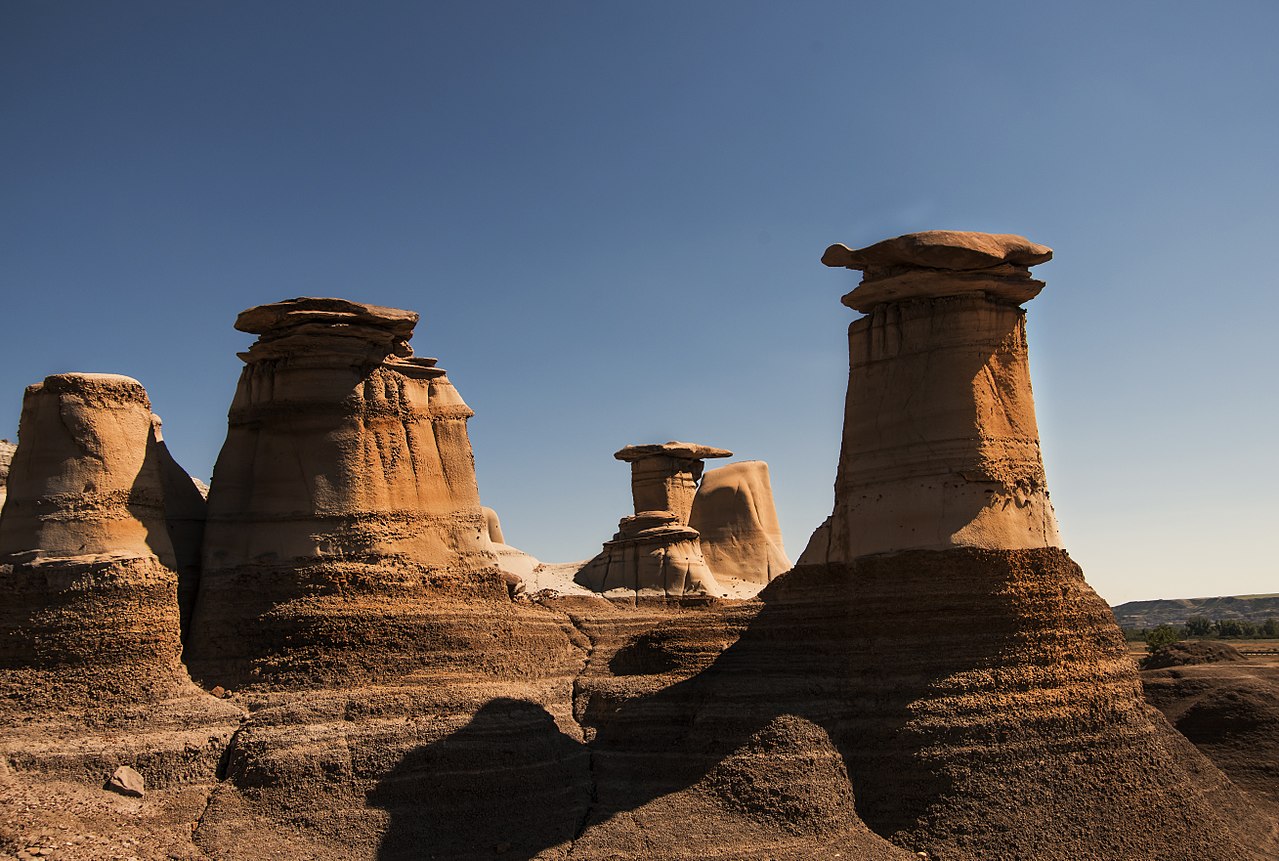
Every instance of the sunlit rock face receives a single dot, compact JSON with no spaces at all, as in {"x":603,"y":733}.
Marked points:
{"x":735,"y":515}
{"x":346,"y":486}
{"x":940,"y":445}
{"x":6,"y":457}
{"x":89,"y":614}
{"x":655,"y":550}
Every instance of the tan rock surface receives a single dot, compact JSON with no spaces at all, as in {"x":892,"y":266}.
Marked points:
{"x":734,"y":512}
{"x":511,"y":560}
{"x":6,"y":456}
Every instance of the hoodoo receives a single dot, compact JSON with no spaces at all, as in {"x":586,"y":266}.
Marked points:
{"x":655,"y":549}
{"x":90,"y":674}
{"x":345,"y":486}
{"x":90,"y":610}
{"x":993,"y":708}
{"x":940,"y":447}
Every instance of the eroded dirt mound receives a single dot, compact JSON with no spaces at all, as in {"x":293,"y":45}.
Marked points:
{"x":1190,"y":653}
{"x":1230,"y":710}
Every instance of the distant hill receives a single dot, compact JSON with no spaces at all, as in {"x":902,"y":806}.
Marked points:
{"x":1175,"y":611}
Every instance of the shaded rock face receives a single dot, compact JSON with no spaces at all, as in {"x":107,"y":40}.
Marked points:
{"x":1190,"y":653}
{"x":655,"y":550}
{"x":1227,"y":704}
{"x":737,"y":520}
{"x":344,"y":490}
{"x":992,"y":714}
{"x":940,"y":446}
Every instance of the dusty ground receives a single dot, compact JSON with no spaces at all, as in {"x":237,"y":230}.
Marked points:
{"x":1229,"y":709}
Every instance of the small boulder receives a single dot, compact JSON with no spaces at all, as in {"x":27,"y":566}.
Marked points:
{"x":126,"y":781}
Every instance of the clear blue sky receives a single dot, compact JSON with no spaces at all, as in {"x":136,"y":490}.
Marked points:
{"x":610,"y":217}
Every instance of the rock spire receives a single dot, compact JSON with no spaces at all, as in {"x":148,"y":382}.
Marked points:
{"x":940,"y":445}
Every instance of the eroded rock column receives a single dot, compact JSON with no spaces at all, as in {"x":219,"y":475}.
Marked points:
{"x":90,"y":608}
{"x":346,"y":484}
{"x":940,"y":445}
{"x":655,"y":549}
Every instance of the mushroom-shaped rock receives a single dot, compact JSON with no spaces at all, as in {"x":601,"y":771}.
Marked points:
{"x":737,"y":520}
{"x":940,"y":446}
{"x":989,"y":687}
{"x":664,"y":476}
{"x":655,"y":549}
{"x":346,"y":482}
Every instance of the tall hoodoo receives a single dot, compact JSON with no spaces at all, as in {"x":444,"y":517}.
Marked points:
{"x":940,"y":445}
{"x":655,"y":549}
{"x":347,"y":472}
{"x":993,"y":706}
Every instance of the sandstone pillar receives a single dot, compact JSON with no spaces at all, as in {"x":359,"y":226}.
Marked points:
{"x":89,"y":614}
{"x":346,"y":481}
{"x":940,"y":445}
{"x":655,"y":549}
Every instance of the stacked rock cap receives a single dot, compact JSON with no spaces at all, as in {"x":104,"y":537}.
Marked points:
{"x":681,"y":450}
{"x":334,"y":326}
{"x":263,"y":319}
{"x":938,"y":263}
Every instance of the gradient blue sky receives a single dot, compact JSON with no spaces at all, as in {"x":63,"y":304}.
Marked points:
{"x":610,"y":216}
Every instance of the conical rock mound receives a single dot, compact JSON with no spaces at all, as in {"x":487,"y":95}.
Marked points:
{"x":735,"y":514}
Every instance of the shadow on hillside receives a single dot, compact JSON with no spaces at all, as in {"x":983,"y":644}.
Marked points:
{"x":510,"y":784}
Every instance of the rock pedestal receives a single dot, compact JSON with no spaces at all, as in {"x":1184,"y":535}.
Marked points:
{"x":656,"y":549}
{"x":346,"y":485}
{"x":940,"y":445}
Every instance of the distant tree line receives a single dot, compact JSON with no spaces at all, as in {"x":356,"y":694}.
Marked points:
{"x":1199,"y":628}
